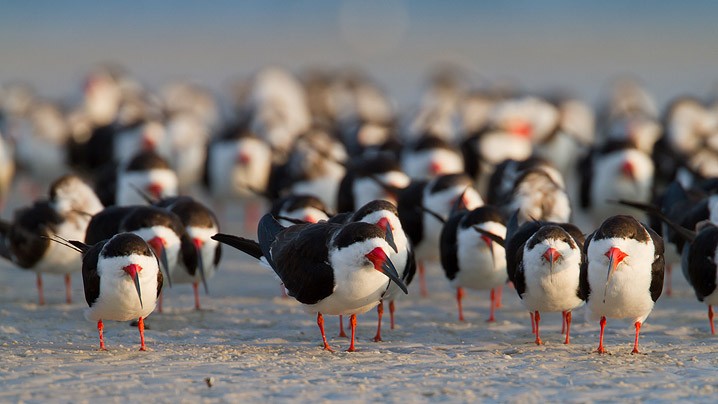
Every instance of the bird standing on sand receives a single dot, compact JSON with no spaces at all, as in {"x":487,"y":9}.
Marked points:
{"x":66,"y":213}
{"x":122,"y":281}
{"x":329,"y":268}
{"x":471,"y":259}
{"x":545,"y":268}
{"x":623,"y":272}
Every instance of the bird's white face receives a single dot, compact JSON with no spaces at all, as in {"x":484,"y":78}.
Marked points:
{"x":619,"y":273}
{"x":118,"y":299}
{"x":356,"y":273}
{"x":551,"y":256}
{"x":159,"y":183}
{"x":425,"y":164}
{"x":443,"y":201}
{"x":168,"y":238}
{"x":383,"y":218}
{"x":367,"y":190}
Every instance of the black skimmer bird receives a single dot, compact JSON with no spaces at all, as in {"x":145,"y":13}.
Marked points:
{"x":369,"y":178}
{"x":293,"y":209}
{"x":385,"y":215}
{"x":238,"y":164}
{"x":471,"y":259}
{"x":163,"y":230}
{"x":430,"y":156}
{"x":623,"y":272}
{"x":509,"y":135}
{"x":112,"y":271}
{"x":544,"y":262}
{"x":616,"y":170}
{"x":423,"y":207}
{"x":503,"y":179}
{"x":66,"y":213}
{"x":200,"y":225}
{"x":699,"y":248}
{"x":148,"y":172}
{"x":700,"y":266}
{"x":329,"y":268}
{"x":315,"y":166}
{"x":536,"y":195}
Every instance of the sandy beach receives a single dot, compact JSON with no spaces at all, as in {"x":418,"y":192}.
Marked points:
{"x":250,"y":344}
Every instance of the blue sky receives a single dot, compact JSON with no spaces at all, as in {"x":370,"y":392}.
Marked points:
{"x":571,"y":44}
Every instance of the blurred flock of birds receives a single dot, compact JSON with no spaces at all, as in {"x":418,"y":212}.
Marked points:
{"x":351,"y":199}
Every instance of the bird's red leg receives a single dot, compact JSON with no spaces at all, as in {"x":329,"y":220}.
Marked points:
{"x":195,"y":286}
{"x":567,"y":317}
{"x":710,"y":318}
{"x":68,"y":289}
{"x":493,"y":306}
{"x":533,"y":322}
{"x":635,"y":343}
{"x":320,"y":323}
{"x":669,"y":283}
{"x":422,"y":280}
{"x":342,"y":334}
{"x":40,"y":295}
{"x":537,"y":316}
{"x":563,"y":322}
{"x":391,"y":313}
{"x":499,"y":296}
{"x":353,"y":323}
{"x":601,"y":348}
{"x":141,"y":327}
{"x":100,"y":327}
{"x":459,"y":296}
{"x":379,"y":312}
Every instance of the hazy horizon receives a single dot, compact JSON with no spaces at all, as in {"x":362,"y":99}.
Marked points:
{"x":577,"y":45}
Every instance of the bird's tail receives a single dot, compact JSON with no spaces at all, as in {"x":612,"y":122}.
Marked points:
{"x":247,"y":246}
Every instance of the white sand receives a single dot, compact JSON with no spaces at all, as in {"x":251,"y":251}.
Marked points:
{"x":257,"y":347}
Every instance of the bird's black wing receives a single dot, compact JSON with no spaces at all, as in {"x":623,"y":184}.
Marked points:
{"x":341,"y":218}
{"x":90,"y":277}
{"x":345,"y":195}
{"x":300,"y":255}
{"x":514,"y":246}
{"x":471,"y":156}
{"x":658,"y":266}
{"x":247,"y":246}
{"x":701,"y":262}
{"x":106,"y":223}
{"x":448,"y":248}
{"x":409,"y":203}
{"x":410,"y":269}
{"x":267,"y":231}
{"x":584,"y":288}
{"x":26,"y":239}
{"x":188,"y":253}
{"x":519,"y":277}
{"x":218,"y":255}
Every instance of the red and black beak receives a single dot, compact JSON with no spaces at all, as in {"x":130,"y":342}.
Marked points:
{"x":383,"y":264}
{"x":551,"y":255}
{"x":615,"y":257}
{"x":200,"y":262}
{"x":158,"y":246}
{"x":133,"y":271}
{"x":389,"y":233}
